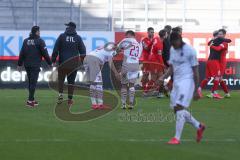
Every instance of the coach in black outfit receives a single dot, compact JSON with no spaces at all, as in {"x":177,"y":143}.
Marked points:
{"x":71,"y":51}
{"x":32,"y":51}
{"x":166,"y":45}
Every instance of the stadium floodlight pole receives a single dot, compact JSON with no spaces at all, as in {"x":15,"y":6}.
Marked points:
{"x":183,"y":12}
{"x":165,"y":12}
{"x":146,"y":13}
{"x":110,"y":14}
{"x":35,"y":12}
{"x":71,"y":10}
{"x":221,"y":14}
{"x":122,"y":14}
{"x":80,"y":14}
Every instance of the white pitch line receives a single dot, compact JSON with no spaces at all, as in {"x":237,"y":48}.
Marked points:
{"x":226,"y":140}
{"x":182,"y":140}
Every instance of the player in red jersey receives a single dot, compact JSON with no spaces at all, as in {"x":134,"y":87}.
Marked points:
{"x":156,"y":61}
{"x":223,"y":48}
{"x":146,"y":43}
{"x":212,"y":68}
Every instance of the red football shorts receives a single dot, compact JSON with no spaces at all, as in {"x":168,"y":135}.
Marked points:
{"x":213,"y":68}
{"x":223,"y":65}
{"x":145,"y":66}
{"x":156,"y":64}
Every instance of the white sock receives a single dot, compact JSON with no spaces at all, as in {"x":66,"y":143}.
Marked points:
{"x":124,"y":93}
{"x":131,"y":95}
{"x":180,"y":121}
{"x":93,"y":101}
{"x":190,"y":119}
{"x":99,"y":101}
{"x":99,"y":89}
{"x":93,"y":94}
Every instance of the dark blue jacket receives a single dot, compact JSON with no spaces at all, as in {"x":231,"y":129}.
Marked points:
{"x":69,"y":44}
{"x":32,"y":51}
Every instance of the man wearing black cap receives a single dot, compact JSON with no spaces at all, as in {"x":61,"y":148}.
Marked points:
{"x":71,"y":51}
{"x":32,"y":51}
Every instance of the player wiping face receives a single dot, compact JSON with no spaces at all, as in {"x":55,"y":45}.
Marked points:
{"x":184,"y":68}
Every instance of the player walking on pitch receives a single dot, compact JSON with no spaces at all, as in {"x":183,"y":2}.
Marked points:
{"x":183,"y":64}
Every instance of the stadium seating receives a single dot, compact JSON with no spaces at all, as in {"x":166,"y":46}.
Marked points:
{"x":6,"y":19}
{"x":93,"y":14}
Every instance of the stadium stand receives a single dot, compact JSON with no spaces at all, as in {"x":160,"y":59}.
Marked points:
{"x":135,"y":14}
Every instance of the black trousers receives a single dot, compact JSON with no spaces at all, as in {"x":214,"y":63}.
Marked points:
{"x":32,"y":74}
{"x":71,"y":74}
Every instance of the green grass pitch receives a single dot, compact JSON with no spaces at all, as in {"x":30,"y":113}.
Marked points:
{"x":36,"y":134}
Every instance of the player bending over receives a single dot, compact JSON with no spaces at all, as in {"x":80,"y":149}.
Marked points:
{"x":93,"y":63}
{"x":130,"y":68}
{"x":183,"y":65}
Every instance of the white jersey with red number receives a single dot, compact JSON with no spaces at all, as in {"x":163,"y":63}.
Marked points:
{"x":132,"y":53}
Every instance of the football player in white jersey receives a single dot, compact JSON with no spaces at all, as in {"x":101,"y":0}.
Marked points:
{"x":130,"y":68}
{"x":184,"y":68}
{"x":93,"y":63}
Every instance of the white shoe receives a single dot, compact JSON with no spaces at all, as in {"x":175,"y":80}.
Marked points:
{"x":160,"y":95}
{"x":227,"y":95}
{"x":124,"y":106}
